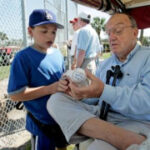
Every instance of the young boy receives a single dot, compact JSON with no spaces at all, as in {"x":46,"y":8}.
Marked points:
{"x":35,"y":74}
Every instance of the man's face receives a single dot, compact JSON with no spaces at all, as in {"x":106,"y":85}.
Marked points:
{"x":75,"y":25}
{"x":122,"y":35}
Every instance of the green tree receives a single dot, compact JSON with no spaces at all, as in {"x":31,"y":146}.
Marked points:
{"x":146,"y":41}
{"x":3,"y":36}
{"x":98,"y":24}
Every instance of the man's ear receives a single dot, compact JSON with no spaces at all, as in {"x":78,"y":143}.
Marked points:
{"x":136,"y":31}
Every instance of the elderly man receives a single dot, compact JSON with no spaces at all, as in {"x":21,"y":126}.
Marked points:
{"x":128,"y":120}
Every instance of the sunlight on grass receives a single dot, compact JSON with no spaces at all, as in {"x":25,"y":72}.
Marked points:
{"x":106,"y":55}
{"x":71,"y":147}
{"x":4,"y":72}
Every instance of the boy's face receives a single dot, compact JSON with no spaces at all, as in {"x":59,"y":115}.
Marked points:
{"x":43,"y":35}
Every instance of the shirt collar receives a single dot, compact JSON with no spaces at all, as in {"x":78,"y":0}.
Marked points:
{"x":132,"y":53}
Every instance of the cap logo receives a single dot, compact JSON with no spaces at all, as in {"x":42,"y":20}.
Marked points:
{"x":49,"y":16}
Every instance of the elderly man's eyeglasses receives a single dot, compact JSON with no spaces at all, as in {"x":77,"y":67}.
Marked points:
{"x":117,"y":30}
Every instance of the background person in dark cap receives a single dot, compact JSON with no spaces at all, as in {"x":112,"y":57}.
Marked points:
{"x":35,"y":74}
{"x":87,"y":44}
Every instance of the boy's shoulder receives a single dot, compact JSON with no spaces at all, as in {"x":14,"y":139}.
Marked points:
{"x":23,"y":53}
{"x":24,"y":50}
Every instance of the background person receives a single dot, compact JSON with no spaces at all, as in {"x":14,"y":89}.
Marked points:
{"x":87,"y":44}
{"x":98,"y":55}
{"x":35,"y":74}
{"x":76,"y":27}
{"x":128,"y":118}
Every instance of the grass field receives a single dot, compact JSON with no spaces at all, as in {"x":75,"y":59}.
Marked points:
{"x":4,"y":72}
{"x":71,"y":147}
{"x":106,"y":55}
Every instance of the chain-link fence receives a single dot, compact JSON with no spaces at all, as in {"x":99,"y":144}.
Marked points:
{"x":13,"y":37}
{"x":11,"y":40}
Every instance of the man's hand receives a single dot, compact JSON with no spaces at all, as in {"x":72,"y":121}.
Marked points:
{"x":95,"y":88}
{"x":73,"y":66}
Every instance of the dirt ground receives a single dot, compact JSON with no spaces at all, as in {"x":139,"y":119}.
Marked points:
{"x":15,"y":141}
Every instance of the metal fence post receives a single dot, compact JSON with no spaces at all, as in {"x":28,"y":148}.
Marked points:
{"x":24,"y":23}
{"x":68,"y":52}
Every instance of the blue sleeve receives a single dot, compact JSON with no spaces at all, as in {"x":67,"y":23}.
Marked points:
{"x":83,"y":40}
{"x":133,"y":100}
{"x":18,"y":78}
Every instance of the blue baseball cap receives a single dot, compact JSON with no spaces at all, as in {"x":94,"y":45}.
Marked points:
{"x":43,"y":16}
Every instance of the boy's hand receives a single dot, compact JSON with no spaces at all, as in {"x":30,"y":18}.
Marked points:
{"x":63,"y":85}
